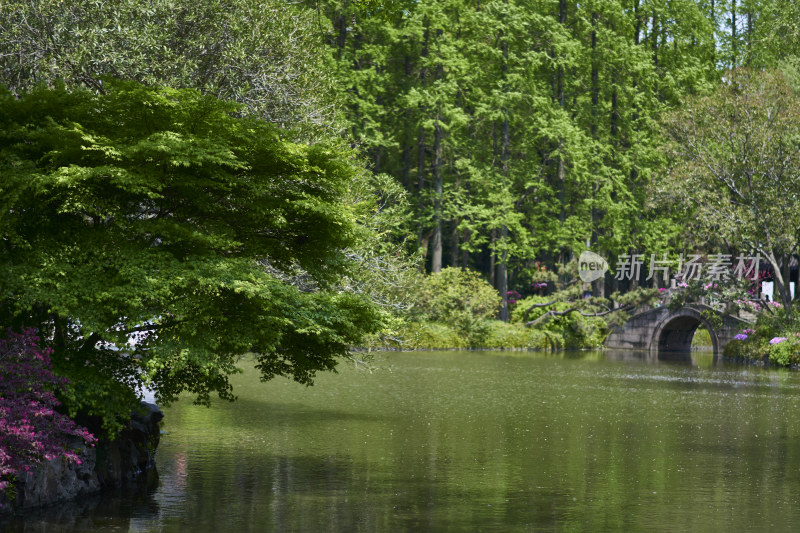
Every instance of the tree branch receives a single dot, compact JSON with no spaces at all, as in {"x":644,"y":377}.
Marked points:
{"x":573,"y":310}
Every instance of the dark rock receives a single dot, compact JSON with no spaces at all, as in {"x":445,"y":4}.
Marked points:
{"x":127,"y":460}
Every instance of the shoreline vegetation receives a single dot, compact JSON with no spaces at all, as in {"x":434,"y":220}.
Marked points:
{"x":456,"y":309}
{"x":503,"y":337}
{"x":763,"y":347}
{"x":778,"y":352}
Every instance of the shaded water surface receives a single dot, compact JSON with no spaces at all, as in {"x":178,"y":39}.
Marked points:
{"x":476,"y":441}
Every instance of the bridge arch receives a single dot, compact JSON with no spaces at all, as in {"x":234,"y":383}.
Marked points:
{"x":674,"y":333}
{"x":661,"y":330}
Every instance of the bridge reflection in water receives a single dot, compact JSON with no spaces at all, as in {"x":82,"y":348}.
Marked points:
{"x":667,"y":334}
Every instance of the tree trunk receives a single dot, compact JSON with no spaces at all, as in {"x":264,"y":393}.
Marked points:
{"x":407,"y":142}
{"x":749,"y":37}
{"x":424,"y":242}
{"x":654,"y":36}
{"x":502,"y":269}
{"x":341,"y":39}
{"x":713,"y":33}
{"x":595,"y":77}
{"x":505,"y":153}
{"x":561,"y":97}
{"x":421,"y":184}
{"x":464,"y":252}
{"x":454,"y":244}
{"x":492,"y":261}
{"x":502,"y":277}
{"x":454,"y":233}
{"x":614,"y":112}
{"x":436,"y":253}
{"x":406,"y":166}
{"x":786,"y":280}
{"x":779,"y":281}
{"x":421,"y":148}
{"x":733,"y":35}
{"x":378,"y":153}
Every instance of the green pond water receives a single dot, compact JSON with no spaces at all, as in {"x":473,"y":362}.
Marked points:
{"x":476,"y":441}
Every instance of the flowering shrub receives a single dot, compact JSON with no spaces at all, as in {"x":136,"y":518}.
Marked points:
{"x":749,"y":305}
{"x":755,"y":306}
{"x":30,"y":430}
{"x":744,"y":335}
{"x":784,"y":353}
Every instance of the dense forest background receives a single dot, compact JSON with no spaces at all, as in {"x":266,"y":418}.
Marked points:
{"x":525,"y":131}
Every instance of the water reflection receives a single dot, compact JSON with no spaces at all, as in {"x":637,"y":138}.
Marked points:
{"x":111,"y":511}
{"x":477,"y":441}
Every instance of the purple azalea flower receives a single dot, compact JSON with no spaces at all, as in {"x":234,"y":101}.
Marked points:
{"x":777,"y":340}
{"x":741,"y":337}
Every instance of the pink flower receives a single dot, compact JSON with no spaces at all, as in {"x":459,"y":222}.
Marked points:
{"x":30,"y":430}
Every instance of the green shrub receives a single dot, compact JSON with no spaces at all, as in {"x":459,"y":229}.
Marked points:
{"x":511,"y":335}
{"x":785,"y":353}
{"x":757,"y":344}
{"x":432,"y":336}
{"x":737,"y":349}
{"x":573,"y":329}
{"x":497,"y":335}
{"x":585,"y":332}
{"x":458,"y":298}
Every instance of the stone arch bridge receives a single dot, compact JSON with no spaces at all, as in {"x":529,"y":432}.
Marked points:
{"x":660,"y":330}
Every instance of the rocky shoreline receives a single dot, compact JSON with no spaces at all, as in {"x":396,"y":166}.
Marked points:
{"x":127,"y":460}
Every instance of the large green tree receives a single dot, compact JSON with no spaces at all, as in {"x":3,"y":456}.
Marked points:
{"x":734,"y":167}
{"x":154,"y":237}
{"x":265,"y":54}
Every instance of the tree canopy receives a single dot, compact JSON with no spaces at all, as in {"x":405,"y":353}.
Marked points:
{"x":265,"y":54}
{"x":522,"y":130}
{"x":735,"y":166}
{"x":153,"y":237}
